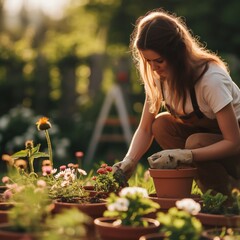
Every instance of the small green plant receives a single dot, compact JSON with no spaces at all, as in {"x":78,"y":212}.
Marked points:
{"x":130,"y":206}
{"x":213,"y":203}
{"x":104,"y":181}
{"x":179,"y":222}
{"x":234,"y":208}
{"x":30,"y":153}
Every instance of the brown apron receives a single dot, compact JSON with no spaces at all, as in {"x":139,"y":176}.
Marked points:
{"x":220,"y":175}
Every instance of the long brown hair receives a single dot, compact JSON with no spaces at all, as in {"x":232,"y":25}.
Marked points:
{"x":167,"y":35}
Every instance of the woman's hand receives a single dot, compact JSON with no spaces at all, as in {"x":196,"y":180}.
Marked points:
{"x":127,"y":165}
{"x":170,"y":158}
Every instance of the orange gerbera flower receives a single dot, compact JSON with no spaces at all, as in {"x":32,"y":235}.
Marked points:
{"x":43,"y":124}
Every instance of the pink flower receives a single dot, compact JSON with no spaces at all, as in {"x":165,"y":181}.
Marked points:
{"x":63,"y":167}
{"x":79,"y":154}
{"x":46,"y":170}
{"x":7,"y":194}
{"x":5,"y":179}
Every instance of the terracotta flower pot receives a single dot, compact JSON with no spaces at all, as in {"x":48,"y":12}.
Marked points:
{"x":7,"y":233}
{"x":173,"y":183}
{"x":94,"y":210}
{"x":166,"y":203}
{"x":4,"y":210}
{"x":216,"y":220}
{"x":221,"y":234}
{"x":153,"y":236}
{"x":110,"y":229}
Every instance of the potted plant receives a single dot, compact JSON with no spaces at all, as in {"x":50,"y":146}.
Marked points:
{"x":124,"y":217}
{"x":104,"y":181}
{"x":179,"y":222}
{"x":219,"y":210}
{"x":66,"y":188}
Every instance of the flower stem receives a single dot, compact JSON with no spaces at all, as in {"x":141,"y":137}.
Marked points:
{"x":31,"y":159}
{"x":49,"y":146}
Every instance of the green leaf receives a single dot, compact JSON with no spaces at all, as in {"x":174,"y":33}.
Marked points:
{"x":40,"y":154}
{"x":36,"y":149}
{"x":22,"y":153}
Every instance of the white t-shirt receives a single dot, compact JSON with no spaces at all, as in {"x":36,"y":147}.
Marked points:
{"x":213,"y":91}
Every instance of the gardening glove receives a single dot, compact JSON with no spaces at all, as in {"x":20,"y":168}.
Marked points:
{"x":170,"y":158}
{"x":127,"y":165}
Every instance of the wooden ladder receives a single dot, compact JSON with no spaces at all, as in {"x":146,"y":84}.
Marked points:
{"x":114,"y":96}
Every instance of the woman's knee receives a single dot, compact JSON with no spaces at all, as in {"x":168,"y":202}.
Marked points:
{"x":198,"y":140}
{"x":193,"y":141}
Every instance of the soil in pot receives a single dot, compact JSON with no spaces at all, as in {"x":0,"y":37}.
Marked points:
{"x":110,"y":229}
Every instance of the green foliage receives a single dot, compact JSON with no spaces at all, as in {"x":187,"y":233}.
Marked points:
{"x":34,"y":153}
{"x":195,"y":189}
{"x":213,"y":203}
{"x":235,"y":201}
{"x":142,"y":178}
{"x":179,"y":224}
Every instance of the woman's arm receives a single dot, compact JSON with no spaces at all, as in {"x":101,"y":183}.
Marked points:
{"x":143,"y":137}
{"x":230,"y":142}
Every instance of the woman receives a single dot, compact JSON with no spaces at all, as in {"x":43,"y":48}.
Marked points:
{"x":201,"y":124}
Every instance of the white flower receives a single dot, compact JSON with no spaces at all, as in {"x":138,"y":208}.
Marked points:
{"x":121,"y":205}
{"x":54,"y":171}
{"x":41,"y":183}
{"x":64,"y":183}
{"x":69,"y":176}
{"x":60,"y":175}
{"x":189,"y":205}
{"x":133,"y":191}
{"x":81,"y":171}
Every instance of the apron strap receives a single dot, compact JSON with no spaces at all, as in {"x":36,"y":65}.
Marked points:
{"x":196,"y":109}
